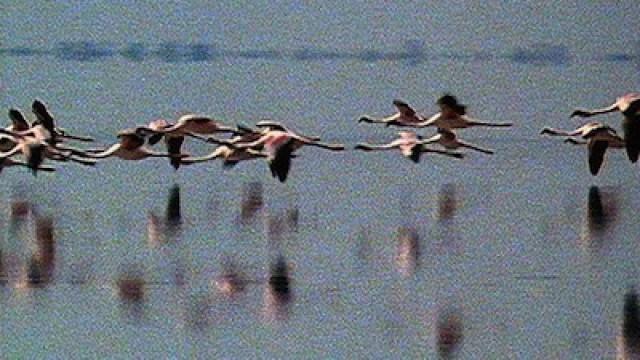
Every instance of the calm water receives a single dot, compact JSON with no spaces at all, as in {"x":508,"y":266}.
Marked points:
{"x":524,"y":251}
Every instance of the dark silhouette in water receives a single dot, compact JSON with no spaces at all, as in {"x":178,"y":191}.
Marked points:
{"x":3,"y":275}
{"x":279,"y":280}
{"x":447,"y":202}
{"x":252,"y":201}
{"x":131,"y":287}
{"x":601,"y":213}
{"x":174,"y":213}
{"x":630,"y":339}
{"x":449,"y":333}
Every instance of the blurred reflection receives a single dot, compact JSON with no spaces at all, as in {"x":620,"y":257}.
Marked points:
{"x":280,"y":224}
{"x":629,"y":340}
{"x":408,"y":250}
{"x":3,"y":274}
{"x":198,"y":312}
{"x":231,"y":282}
{"x":449,"y":333}
{"x":445,"y":228}
{"x":39,"y":268}
{"x":278,"y":292}
{"x":602,"y":211}
{"x":252,"y":201}
{"x":131,"y":290}
{"x":447,"y":202}
{"x":161,"y":231}
{"x":173,"y":214}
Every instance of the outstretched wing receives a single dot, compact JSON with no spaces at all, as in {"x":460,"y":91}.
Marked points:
{"x":404,"y":108}
{"x":596,"y":155}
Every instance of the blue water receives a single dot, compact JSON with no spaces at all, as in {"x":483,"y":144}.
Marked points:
{"x":530,"y":252}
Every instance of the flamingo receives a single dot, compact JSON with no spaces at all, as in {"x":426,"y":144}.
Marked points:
{"x":450,"y":141}
{"x":45,"y":119}
{"x":453,"y":115}
{"x":36,"y":150}
{"x":410,"y":145}
{"x":173,"y":140}
{"x":192,"y":124}
{"x":598,"y":138}
{"x":130,"y":147}
{"x":279,"y":144}
{"x":406,"y":116}
{"x":629,"y":106}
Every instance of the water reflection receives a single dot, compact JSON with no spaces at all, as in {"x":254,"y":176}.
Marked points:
{"x":162,"y":231}
{"x":629,"y":339}
{"x":131,"y":290}
{"x":447,"y":233}
{"x":449,"y":333}
{"x":231,"y":282}
{"x":408,"y":250}
{"x":278,"y":293}
{"x":447,"y":202}
{"x":602,"y":212}
{"x":282,"y":223}
{"x":4,"y":280}
{"x":252,"y":201}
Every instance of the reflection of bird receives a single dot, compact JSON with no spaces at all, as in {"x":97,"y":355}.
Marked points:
{"x":598,"y":138}
{"x":449,"y":333}
{"x":408,"y":250}
{"x":411,"y":146}
{"x":406,"y":116}
{"x":447,"y":202}
{"x":629,"y":106}
{"x":629,"y":340}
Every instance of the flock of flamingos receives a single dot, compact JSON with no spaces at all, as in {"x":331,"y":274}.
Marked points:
{"x":277,"y":144}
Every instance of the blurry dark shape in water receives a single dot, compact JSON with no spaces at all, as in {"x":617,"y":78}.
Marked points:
{"x":408,"y":250}
{"x":278,"y":292}
{"x":602,"y":211}
{"x":46,"y":246}
{"x":83,"y":51}
{"x":134,"y":52}
{"x":20,"y":210}
{"x":293,"y":215}
{"x":131,"y":286}
{"x":252,"y":201}
{"x":449,"y":333}
{"x":629,"y":342}
{"x":370,"y":55}
{"x":36,"y":272}
{"x":3,"y":274}
{"x":230,"y":282}
{"x":174,"y":213}
{"x":198,"y":312}
{"x":279,"y":280}
{"x":447,"y":202}
{"x":541,"y":54}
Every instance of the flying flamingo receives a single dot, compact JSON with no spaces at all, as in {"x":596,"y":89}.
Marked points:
{"x":406,"y":116}
{"x":453,"y":115}
{"x":629,"y":106}
{"x":411,"y":146}
{"x":130,"y":147}
{"x":598,"y":138}
{"x":450,"y":141}
{"x":279,"y":144}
